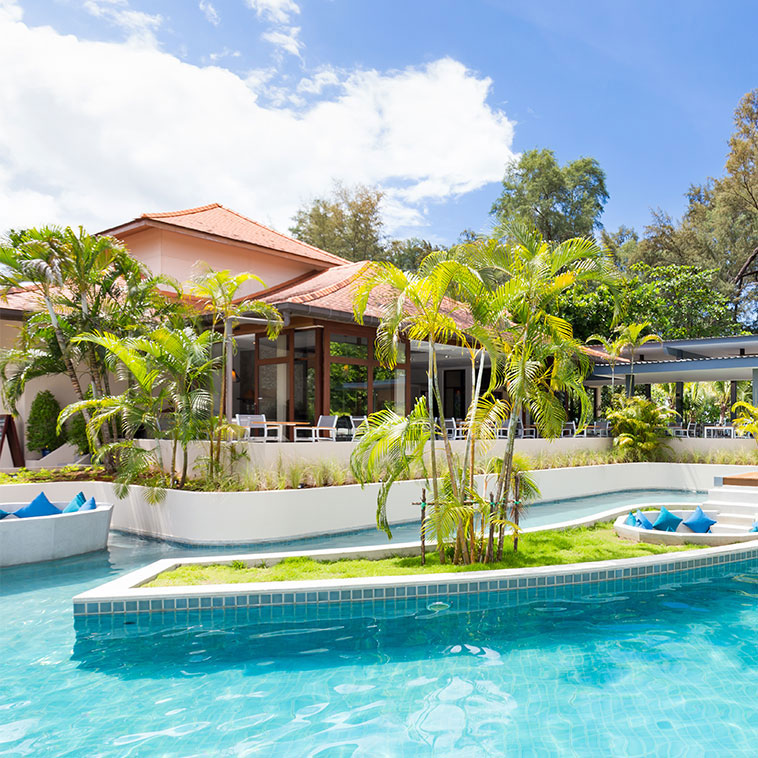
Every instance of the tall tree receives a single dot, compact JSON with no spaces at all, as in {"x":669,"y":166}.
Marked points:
{"x":561,"y":202}
{"x":347,"y":223}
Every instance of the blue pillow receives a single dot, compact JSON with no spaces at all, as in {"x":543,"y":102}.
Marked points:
{"x":753,"y":528}
{"x":666,"y":521}
{"x":699,"y":523}
{"x":76,"y":503}
{"x":40,"y":506}
{"x":631,"y":520}
{"x":642,"y":521}
{"x":89,"y":505}
{"x":3,"y":513}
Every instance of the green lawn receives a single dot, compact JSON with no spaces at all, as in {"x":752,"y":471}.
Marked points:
{"x":594,"y":543}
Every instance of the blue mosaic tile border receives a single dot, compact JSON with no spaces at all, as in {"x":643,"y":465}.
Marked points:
{"x":516,"y":587}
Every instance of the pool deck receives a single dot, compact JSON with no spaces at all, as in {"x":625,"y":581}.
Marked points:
{"x":749,"y":479}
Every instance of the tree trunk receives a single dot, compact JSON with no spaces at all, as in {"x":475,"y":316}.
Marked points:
{"x":433,"y":455}
{"x":504,"y":481}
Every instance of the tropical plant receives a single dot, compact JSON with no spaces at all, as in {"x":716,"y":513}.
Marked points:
{"x":747,"y":420}
{"x":614,"y":348}
{"x":631,"y":337}
{"x":169,"y":379}
{"x":638,"y":426}
{"x":41,"y":432}
{"x":219,"y":293}
{"x":84,"y":284}
{"x":540,"y":360}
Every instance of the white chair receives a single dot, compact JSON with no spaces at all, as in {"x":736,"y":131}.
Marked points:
{"x":569,"y":429}
{"x":256,"y":422}
{"x":522,"y":431}
{"x":355,"y":422}
{"x":451,"y":429}
{"x":325,"y":424}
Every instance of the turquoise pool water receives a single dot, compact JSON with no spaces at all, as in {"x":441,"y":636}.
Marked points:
{"x":669,"y":672}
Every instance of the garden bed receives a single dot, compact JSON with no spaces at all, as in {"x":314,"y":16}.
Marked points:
{"x":545,"y":548}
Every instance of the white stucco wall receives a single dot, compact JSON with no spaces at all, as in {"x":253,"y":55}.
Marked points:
{"x":245,"y":517}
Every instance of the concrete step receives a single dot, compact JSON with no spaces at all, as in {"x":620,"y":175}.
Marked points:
{"x":729,"y":494}
{"x":728,"y":529}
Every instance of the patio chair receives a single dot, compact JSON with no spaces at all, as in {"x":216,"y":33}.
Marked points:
{"x":603,"y":428}
{"x":524,"y":432}
{"x":324,"y":431}
{"x":355,"y":422}
{"x":452,"y":430}
{"x":256,"y":422}
{"x":569,"y":429}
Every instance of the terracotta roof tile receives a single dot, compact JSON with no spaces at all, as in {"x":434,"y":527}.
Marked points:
{"x":334,"y":290}
{"x":219,"y":221}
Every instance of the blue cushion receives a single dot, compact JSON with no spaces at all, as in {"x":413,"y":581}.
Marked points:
{"x":40,"y":506}
{"x":89,"y":505}
{"x":642,"y":521}
{"x":631,"y":520}
{"x":698,"y":522}
{"x":666,"y":521}
{"x":753,"y":528}
{"x":76,"y":503}
{"x":3,"y":513}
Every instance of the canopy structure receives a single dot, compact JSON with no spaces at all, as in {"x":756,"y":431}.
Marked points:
{"x":707,"y":359}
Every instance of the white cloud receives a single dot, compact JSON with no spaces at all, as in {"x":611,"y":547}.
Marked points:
{"x":210,"y":13}
{"x":99,"y":132}
{"x":138,"y":26}
{"x":285,"y":37}
{"x":278,"y":11}
{"x":227,"y":52}
{"x":315,"y":85}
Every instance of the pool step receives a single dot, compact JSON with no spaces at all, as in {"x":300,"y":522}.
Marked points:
{"x":734,"y":495}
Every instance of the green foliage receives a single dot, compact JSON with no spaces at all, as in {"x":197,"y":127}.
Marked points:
{"x":41,"y":433}
{"x":348,"y":223}
{"x":747,"y":421}
{"x":77,"y":434}
{"x":679,"y":301}
{"x":638,"y":426}
{"x":561,"y":202}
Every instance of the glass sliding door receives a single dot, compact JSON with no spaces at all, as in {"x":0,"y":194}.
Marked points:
{"x":273,"y":390}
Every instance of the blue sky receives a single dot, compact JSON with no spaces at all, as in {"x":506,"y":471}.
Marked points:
{"x":448,"y":91}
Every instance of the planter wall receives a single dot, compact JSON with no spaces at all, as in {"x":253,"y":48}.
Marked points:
{"x":249,"y":517}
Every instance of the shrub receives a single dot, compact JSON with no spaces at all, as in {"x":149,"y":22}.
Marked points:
{"x":41,"y":431}
{"x":77,"y":434}
{"x":637,"y":425}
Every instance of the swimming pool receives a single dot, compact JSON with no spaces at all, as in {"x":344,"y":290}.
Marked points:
{"x":665,"y":672}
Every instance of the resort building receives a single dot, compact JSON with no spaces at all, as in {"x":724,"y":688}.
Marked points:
{"x":323,"y":362}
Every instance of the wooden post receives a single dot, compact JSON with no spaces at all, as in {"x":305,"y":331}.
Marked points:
{"x":423,"y":518}
{"x":516,"y":507}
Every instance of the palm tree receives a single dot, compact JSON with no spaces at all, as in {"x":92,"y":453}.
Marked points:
{"x":418,"y":306}
{"x":631,"y":338}
{"x":540,"y":356}
{"x":614,"y":348}
{"x":218,"y":290}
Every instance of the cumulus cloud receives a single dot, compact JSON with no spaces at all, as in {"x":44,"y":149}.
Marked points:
{"x":277,"y":11}
{"x":99,"y":132}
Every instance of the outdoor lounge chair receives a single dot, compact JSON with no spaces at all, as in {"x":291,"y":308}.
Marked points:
{"x":325,"y":430}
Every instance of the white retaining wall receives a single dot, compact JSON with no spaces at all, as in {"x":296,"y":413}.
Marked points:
{"x":246,"y":517}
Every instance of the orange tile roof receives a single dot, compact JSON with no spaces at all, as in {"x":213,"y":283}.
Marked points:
{"x":219,"y":221}
{"x":22,"y":299}
{"x":334,"y":289}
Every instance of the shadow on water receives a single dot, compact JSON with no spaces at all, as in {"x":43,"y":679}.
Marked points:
{"x":627,"y":624}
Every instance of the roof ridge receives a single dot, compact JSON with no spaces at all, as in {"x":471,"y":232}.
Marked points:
{"x":279,"y":234}
{"x":186,"y":211}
